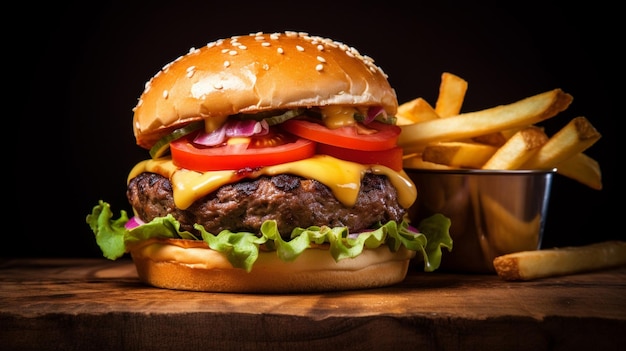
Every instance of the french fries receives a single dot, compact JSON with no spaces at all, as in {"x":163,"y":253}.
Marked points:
{"x":416,"y":161}
{"x":504,"y":137}
{"x":508,"y":137}
{"x":518,"y":149}
{"x":493,"y":139}
{"x":530,"y":110}
{"x":575,"y":137}
{"x":583,"y":169}
{"x":451,"y":95}
{"x":529,"y":265}
{"x":458,"y":154}
{"x":415,"y":111}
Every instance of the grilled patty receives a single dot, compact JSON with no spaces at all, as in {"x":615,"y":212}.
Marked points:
{"x":290,"y":200}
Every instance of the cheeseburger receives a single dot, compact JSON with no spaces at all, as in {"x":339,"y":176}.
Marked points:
{"x":274,"y":168}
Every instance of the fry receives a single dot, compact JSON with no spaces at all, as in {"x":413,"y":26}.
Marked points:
{"x":528,"y":265}
{"x":583,"y":169}
{"x":415,"y":111}
{"x":493,"y":139}
{"x":521,"y":113}
{"x":498,"y":138}
{"x":416,"y":161}
{"x":458,"y":154}
{"x":573,"y":138}
{"x":451,"y":95}
{"x":519,"y":148}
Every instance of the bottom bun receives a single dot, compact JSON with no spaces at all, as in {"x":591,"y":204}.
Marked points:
{"x":172,"y":265}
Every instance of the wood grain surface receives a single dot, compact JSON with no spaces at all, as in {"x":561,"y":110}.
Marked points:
{"x":96,"y":304}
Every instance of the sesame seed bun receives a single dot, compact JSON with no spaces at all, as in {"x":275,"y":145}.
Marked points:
{"x":191,"y":265}
{"x":258,"y":72}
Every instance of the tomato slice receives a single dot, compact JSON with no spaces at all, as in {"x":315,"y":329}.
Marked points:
{"x":391,"y":158}
{"x":381,"y":136}
{"x":267,"y":150}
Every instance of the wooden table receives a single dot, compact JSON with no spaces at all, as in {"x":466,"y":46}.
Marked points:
{"x":96,"y":304}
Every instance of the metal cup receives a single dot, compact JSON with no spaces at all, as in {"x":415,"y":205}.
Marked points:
{"x":492,"y":212}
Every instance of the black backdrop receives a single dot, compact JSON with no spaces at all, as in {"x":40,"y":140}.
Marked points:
{"x":81,"y":73}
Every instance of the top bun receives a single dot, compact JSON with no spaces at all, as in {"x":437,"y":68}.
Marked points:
{"x":254,"y":73}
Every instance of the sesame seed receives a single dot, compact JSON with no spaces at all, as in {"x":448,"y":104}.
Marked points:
{"x":331,"y":43}
{"x":190,"y":71}
{"x":321,"y":59}
{"x":320,"y":47}
{"x":299,"y":48}
{"x":280,"y":51}
{"x":218,"y":86}
{"x":242,"y":47}
{"x":232,"y":52}
{"x":225,"y":51}
{"x":274,"y":36}
{"x":266,"y":44}
{"x":165,"y":94}
{"x":226,"y":63}
{"x":319,"y":67}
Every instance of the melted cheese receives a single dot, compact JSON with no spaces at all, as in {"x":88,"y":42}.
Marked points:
{"x":338,"y":116}
{"x":342,"y":177}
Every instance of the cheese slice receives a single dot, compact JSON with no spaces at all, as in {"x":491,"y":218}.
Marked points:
{"x":342,"y":177}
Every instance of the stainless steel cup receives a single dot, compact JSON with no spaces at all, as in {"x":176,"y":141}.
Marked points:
{"x":492,"y":212}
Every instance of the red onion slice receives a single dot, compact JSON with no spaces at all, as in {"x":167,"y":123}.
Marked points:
{"x":244,"y":128}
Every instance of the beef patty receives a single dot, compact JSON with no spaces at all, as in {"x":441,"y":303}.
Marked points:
{"x":290,"y":200}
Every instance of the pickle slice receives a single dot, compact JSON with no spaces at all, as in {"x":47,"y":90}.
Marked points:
{"x":163,"y":145}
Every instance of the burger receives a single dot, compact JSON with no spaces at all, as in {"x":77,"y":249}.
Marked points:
{"x":274,"y":167}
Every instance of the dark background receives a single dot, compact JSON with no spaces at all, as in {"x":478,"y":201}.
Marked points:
{"x":81,"y":72}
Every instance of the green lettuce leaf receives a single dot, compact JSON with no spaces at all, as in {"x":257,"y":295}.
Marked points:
{"x":110,"y":234}
{"x":242,"y":249}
